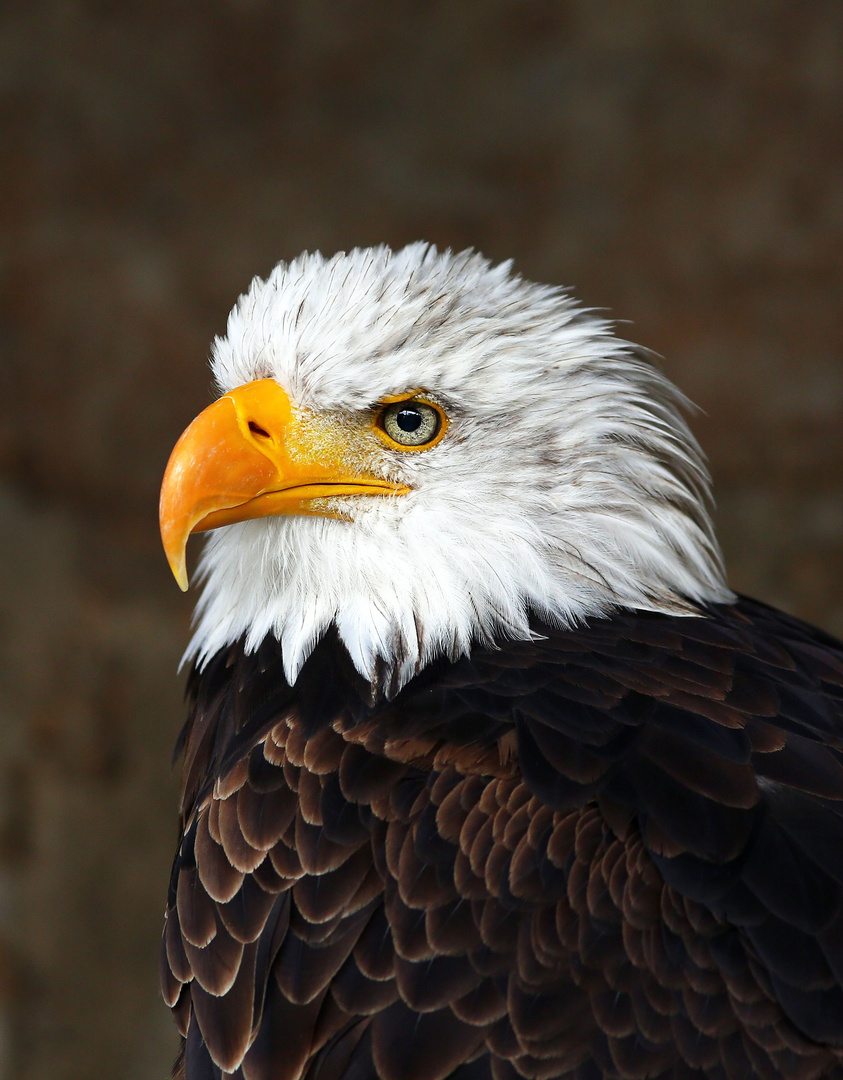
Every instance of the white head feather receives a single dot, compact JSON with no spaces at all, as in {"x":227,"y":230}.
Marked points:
{"x":568,"y":485}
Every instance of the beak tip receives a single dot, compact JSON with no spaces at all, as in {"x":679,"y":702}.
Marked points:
{"x":180,"y":574}
{"x":178,"y":567}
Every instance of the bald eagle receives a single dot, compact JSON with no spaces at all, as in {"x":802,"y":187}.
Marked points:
{"x":487,"y":773}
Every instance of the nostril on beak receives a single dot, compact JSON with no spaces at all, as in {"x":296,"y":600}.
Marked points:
{"x":256,"y":429}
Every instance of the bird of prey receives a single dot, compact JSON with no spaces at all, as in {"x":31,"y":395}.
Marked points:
{"x":487,"y":773}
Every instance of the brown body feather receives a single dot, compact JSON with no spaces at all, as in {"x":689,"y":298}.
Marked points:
{"x":615,"y":852}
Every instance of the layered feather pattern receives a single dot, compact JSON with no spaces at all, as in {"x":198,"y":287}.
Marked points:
{"x":613,"y":851}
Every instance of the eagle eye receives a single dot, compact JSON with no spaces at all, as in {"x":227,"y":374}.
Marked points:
{"x":410,"y":423}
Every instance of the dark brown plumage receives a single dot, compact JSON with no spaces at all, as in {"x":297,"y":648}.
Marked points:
{"x":613,"y":852}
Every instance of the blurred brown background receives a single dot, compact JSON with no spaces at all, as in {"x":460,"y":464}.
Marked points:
{"x":680,"y":163}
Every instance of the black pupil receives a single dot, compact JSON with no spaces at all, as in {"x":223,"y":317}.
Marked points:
{"x":409,"y":420}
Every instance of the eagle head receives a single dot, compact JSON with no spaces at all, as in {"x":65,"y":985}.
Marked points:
{"x":426,"y":451}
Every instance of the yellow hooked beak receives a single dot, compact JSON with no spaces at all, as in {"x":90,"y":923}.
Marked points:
{"x":251,"y":455}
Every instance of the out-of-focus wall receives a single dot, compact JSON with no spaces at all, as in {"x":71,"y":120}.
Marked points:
{"x":678,"y":163}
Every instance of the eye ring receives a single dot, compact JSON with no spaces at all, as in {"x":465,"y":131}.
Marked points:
{"x":410,"y":423}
